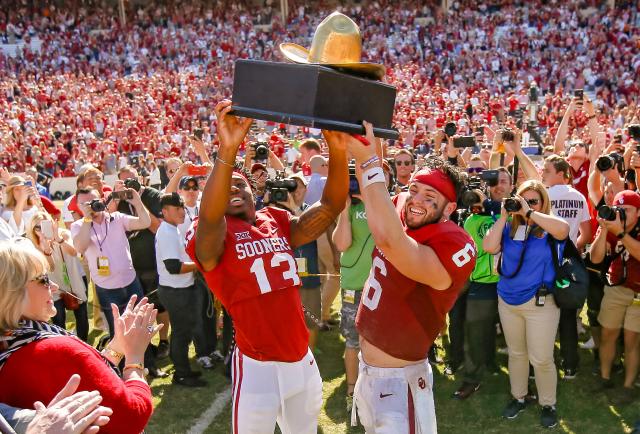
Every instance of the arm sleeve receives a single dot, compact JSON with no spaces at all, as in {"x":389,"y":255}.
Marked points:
{"x":173,"y":265}
{"x":64,"y":356}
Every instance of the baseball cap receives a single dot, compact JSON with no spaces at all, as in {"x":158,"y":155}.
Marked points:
{"x":171,"y":199}
{"x":300,"y":176}
{"x":627,"y":197}
{"x":185,"y":180}
{"x":257,"y":166}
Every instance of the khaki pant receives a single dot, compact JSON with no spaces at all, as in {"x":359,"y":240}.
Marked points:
{"x":530,"y":332}
{"x":330,"y":284}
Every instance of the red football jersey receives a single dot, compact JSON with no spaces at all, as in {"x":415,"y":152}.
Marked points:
{"x":257,"y":282}
{"x":403,"y":317}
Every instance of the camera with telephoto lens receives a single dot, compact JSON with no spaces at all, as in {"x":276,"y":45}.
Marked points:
{"x":97,"y":205}
{"x":634,"y":133}
{"x":475,"y":185}
{"x":450,"y":129}
{"x":132,"y":183}
{"x":280,"y":188}
{"x":262,"y":151}
{"x":609,"y":212}
{"x":610,"y":161}
{"x":511,"y":204}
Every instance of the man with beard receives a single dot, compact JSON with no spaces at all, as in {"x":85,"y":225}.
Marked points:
{"x":420,"y":263}
{"x":248,"y":261}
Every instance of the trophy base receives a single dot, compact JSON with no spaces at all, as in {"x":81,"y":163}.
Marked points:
{"x":323,"y":124}
{"x":312,"y":96}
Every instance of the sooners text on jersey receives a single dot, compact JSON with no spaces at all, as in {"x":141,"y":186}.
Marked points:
{"x":257,"y":282}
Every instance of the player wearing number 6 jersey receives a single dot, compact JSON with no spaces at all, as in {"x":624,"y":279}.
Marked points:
{"x":420,"y":263}
{"x":248,"y":262}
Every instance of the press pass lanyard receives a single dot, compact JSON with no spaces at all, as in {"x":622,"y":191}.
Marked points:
{"x":100,"y":243}
{"x":192,"y":217}
{"x":103,"y":262}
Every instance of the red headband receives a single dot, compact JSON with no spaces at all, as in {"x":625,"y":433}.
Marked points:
{"x":239,"y":174}
{"x":438,"y":180}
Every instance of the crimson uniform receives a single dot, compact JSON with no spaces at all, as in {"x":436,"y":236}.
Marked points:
{"x":256,"y":279}
{"x":403,"y":317}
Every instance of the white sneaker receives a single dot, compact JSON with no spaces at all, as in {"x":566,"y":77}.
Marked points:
{"x":589,"y":345}
{"x":206,"y":362}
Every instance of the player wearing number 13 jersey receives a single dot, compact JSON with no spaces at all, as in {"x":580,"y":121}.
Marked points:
{"x":248,"y":262}
{"x":420,"y":263}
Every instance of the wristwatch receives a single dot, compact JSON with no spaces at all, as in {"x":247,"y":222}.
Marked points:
{"x":529,"y":213}
{"x":621,"y":235}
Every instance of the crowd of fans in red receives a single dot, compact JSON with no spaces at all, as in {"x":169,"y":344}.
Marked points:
{"x":96,"y":91}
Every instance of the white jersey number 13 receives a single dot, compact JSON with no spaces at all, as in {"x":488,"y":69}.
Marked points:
{"x":261,"y":275}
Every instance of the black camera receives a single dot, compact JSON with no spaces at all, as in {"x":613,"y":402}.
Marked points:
{"x":97,"y":205}
{"x":132,"y":183}
{"x":634,"y":131}
{"x":475,"y":185}
{"x":508,"y":135}
{"x":354,"y":186}
{"x":511,"y":204}
{"x":262,"y":151}
{"x":450,"y":129}
{"x":533,"y":93}
{"x":280,"y":188}
{"x":610,"y":161}
{"x":609,"y":212}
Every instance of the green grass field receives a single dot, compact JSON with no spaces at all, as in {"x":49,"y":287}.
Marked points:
{"x":580,"y":411}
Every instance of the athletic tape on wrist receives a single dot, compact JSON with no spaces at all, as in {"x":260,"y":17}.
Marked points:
{"x":371,"y":176}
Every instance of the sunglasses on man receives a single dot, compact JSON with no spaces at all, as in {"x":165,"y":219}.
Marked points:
{"x":406,"y":163}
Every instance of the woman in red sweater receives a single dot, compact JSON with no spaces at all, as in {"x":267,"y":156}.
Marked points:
{"x":37,"y":358}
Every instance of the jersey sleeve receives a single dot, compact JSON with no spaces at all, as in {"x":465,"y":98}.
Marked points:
{"x":190,"y":238}
{"x":457,"y":253}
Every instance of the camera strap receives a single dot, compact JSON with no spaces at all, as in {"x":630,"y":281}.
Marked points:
{"x":101,"y":242}
{"x":520,"y":260}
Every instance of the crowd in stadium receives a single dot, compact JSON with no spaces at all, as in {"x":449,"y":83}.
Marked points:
{"x":549,"y":91}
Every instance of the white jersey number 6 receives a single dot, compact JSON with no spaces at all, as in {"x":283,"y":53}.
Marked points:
{"x":372,"y":298}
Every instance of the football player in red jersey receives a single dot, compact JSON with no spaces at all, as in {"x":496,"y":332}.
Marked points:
{"x":420,"y":263}
{"x":247,"y":260}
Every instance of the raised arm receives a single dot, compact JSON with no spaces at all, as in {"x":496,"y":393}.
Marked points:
{"x":416,"y":261}
{"x":341,"y":236}
{"x":215,"y":198}
{"x":315,"y":220}
{"x":561,"y":135}
{"x":526,"y":164}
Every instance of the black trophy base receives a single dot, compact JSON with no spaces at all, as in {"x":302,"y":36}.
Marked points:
{"x":312,"y":96}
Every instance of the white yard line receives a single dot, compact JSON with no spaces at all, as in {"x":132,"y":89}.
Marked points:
{"x":212,"y":412}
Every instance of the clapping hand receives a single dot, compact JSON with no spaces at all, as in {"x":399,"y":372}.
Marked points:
{"x":70,"y":413}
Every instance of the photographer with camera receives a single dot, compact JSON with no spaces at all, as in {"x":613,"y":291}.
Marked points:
{"x":528,"y":312}
{"x":102,"y":238}
{"x":143,"y":250}
{"x":482,"y":298}
{"x":247,"y":260}
{"x":617,"y":243}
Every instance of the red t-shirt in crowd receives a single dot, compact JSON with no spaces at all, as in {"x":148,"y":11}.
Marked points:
{"x":403,"y":317}
{"x":257,"y":282}
{"x":616,"y":269}
{"x":39,"y":370}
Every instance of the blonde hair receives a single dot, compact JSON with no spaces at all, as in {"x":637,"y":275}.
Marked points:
{"x":20,"y":262}
{"x":9,"y":198}
{"x":538,"y":187}
{"x":37,"y":218}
